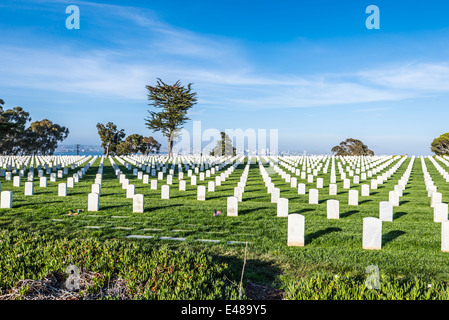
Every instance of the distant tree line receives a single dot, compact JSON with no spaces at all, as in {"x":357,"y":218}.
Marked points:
{"x":39,"y":138}
{"x":440,"y":145}
{"x":115,"y":142}
{"x":352,"y":147}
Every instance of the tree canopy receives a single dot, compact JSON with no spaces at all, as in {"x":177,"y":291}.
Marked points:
{"x":174,"y":101}
{"x":110,"y":137}
{"x":136,"y":143}
{"x":41,"y":137}
{"x":352,"y":147}
{"x":440,"y":145}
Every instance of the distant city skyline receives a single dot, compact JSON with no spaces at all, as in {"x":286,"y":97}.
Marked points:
{"x":310,"y":69}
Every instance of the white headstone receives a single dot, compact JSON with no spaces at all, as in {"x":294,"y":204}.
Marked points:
{"x":43,"y":182}
{"x":153,"y":185}
{"x":282,"y":207}
{"x":399,"y":189}
{"x":332,"y":189}
{"x":96,"y":188}
{"x":353,"y":197}
{"x":201,"y":193}
{"x":372,"y":233}
{"x":435,"y":198}
{"x":275,"y":195}
{"x":313,"y":196}
{"x":293,"y":182}
{"x":130,"y":191}
{"x":440,"y":212}
{"x":165,"y":191}
{"x":444,"y":236}
{"x":295,"y":227}
{"x":301,"y":188}
{"x":6,"y":199}
{"x":393,"y":197}
{"x":232,"y":206}
{"x":238,"y":193}
{"x":182,"y":185}
{"x":169,"y":179}
{"x":211,"y":186}
{"x":385,"y":211}
{"x":365,"y":190}
{"x":93,"y":202}
{"x":16,"y":181}
{"x":333,"y":209}
{"x":138,"y":203}
{"x":29,"y":188}
{"x":62,"y":190}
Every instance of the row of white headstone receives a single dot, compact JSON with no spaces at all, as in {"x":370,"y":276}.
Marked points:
{"x":138,"y":199}
{"x":440,"y":209}
{"x":6,"y":199}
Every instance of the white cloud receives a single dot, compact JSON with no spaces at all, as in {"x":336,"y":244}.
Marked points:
{"x":224,"y":77}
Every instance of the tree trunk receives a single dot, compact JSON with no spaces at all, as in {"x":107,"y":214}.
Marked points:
{"x":170,"y":147}
{"x":170,"y":143}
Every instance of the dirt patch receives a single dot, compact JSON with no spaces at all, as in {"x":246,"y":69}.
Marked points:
{"x":256,"y":291}
{"x":53,"y":287}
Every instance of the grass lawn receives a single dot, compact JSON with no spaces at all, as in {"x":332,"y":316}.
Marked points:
{"x":410,"y":258}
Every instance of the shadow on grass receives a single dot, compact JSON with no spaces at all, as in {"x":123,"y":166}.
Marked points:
{"x":397,"y":215}
{"x":252,"y":198}
{"x":164,"y":207}
{"x":310,"y":237}
{"x":390,"y":236}
{"x":246,"y":211}
{"x":364,"y":201}
{"x":403,"y":202}
{"x":348,"y":213}
{"x":257,"y":274}
{"x":301,"y":211}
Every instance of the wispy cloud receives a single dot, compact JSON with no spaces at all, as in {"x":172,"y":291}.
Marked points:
{"x":219,"y":67}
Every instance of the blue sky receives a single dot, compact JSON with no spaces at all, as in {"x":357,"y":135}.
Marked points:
{"x":310,"y":69}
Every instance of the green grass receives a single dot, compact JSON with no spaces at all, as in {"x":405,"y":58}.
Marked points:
{"x":410,"y":244}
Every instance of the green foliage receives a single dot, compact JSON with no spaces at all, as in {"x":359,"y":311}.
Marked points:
{"x":110,"y":137}
{"x":440,"y":145}
{"x":352,"y":147}
{"x":137,"y":143}
{"x":150,"y":145}
{"x":41,"y":137}
{"x":325,"y":286}
{"x":149,"y":273}
{"x":174,"y":101}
